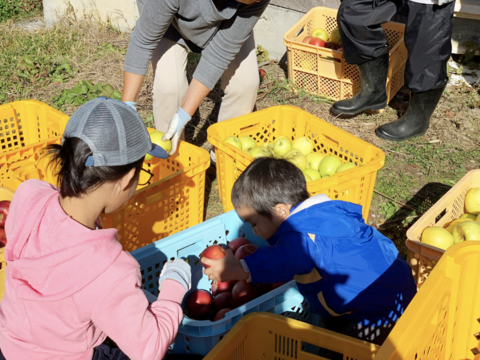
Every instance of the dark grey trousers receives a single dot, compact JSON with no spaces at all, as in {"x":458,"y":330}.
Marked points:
{"x":427,"y":37}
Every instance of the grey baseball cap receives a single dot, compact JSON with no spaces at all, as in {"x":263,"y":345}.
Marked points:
{"x":114,"y":132}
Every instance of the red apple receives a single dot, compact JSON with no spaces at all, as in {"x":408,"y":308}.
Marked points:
{"x":213,"y":252}
{"x":317,"y":42}
{"x":277,"y":285}
{"x":262,"y":74}
{"x":221,"y":314}
{"x":223,"y":300}
{"x":199,"y":303}
{"x":220,"y":287}
{"x":236,"y":243}
{"x":263,"y":288}
{"x":307,"y":39}
{"x":245,"y":250}
{"x":4,"y":207}
{"x":243,"y":292}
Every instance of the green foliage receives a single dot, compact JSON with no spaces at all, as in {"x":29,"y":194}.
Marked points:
{"x":16,"y":8}
{"x":108,"y":48}
{"x":469,"y":57}
{"x":83,"y":92}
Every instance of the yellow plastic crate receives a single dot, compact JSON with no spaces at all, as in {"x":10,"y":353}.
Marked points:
{"x":25,"y":123}
{"x":324,"y":71}
{"x":268,"y":336}
{"x":442,"y":323}
{"x":421,"y":257}
{"x":24,"y":128}
{"x":354,"y":185}
{"x":172,"y":202}
{"x":443,"y":319}
{"x":5,"y":194}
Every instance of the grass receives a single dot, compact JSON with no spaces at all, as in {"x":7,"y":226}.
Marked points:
{"x":58,"y":65}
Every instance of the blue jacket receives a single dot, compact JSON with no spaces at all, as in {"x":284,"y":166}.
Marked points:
{"x":342,"y":266}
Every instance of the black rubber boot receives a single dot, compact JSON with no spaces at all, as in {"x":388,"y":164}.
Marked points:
{"x":373,"y":93}
{"x":416,"y":120}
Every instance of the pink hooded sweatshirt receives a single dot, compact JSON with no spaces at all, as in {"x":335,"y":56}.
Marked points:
{"x":68,"y":287}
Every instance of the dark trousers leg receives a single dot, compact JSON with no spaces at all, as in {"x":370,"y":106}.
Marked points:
{"x":428,"y":40}
{"x":360,"y":23}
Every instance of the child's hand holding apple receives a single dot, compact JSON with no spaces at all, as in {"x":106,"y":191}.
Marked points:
{"x":226,"y":268}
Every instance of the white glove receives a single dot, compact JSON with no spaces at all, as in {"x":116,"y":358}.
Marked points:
{"x":177,"y":270}
{"x":132,"y":104}
{"x":175,"y":128}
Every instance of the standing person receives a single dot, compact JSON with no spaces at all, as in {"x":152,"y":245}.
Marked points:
{"x":221,"y":30}
{"x":68,"y":283}
{"x":428,"y":40}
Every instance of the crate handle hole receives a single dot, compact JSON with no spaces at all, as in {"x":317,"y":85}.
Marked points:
{"x":475,"y":351}
{"x":477,"y":336}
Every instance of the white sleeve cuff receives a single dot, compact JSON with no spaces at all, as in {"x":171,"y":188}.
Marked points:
{"x":245,"y":267}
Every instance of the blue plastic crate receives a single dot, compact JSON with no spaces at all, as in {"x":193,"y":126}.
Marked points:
{"x":199,"y":337}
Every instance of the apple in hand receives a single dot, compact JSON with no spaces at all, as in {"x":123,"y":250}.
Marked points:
{"x":466,"y":231}
{"x":243,"y":292}
{"x":233,"y":140}
{"x":4,"y":208}
{"x":438,"y":237}
{"x":223,"y":300}
{"x":213,"y":252}
{"x":221,"y":314}
{"x":199,"y":303}
{"x":219,"y":287}
{"x":156,"y":138}
{"x":245,"y":250}
{"x":237,"y":243}
{"x":317,"y":42}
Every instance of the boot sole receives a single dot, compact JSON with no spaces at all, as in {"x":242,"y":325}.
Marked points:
{"x":383,"y":136}
{"x":372,"y":109}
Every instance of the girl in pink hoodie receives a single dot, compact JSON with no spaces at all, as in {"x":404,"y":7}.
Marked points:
{"x":68,"y":283}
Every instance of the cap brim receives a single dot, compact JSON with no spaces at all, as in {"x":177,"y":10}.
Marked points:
{"x":158,"y":152}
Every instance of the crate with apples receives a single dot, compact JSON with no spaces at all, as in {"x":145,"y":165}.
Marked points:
{"x":212,"y":309}
{"x":334,"y":162}
{"x":316,"y":62}
{"x":452,"y":220}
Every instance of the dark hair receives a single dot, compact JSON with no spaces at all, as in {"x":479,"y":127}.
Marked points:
{"x":74,"y":178}
{"x":267,"y":182}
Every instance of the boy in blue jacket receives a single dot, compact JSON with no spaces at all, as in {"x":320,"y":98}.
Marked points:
{"x":349,"y":273}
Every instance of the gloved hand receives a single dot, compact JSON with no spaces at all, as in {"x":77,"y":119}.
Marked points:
{"x":175,"y":128}
{"x":177,"y":270}
{"x":132,"y":104}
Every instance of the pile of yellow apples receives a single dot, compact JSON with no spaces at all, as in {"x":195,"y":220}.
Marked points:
{"x":314,"y":165}
{"x":465,"y":228}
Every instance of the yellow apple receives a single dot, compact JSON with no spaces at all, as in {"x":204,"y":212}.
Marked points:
{"x":320,"y":33}
{"x":314,"y":159}
{"x":329,"y":165}
{"x":260,"y":151}
{"x":156,"y":138}
{"x":307,"y":177}
{"x":247,"y":143}
{"x":466,"y":231}
{"x":314,"y":174}
{"x":281,"y":146}
{"x":468,"y":216}
{"x":454,"y":223}
{"x":296,"y":158}
{"x":472,"y":201}
{"x":233,"y":140}
{"x":438,"y":237}
{"x":344,"y":167}
{"x":303,"y":144}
